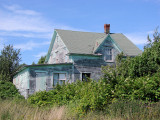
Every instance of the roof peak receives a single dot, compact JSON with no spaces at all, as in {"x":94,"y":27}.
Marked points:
{"x":84,"y":31}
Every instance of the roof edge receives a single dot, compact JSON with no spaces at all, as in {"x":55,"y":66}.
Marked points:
{"x":51,"y":46}
{"x":49,"y":64}
{"x":85,"y":54}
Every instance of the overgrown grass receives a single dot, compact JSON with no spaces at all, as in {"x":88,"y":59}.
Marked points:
{"x":119,"y":110}
{"x":20,"y":110}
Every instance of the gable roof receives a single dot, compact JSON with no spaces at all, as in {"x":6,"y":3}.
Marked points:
{"x":84,"y":42}
{"x":125,"y":45}
{"x":79,"y":42}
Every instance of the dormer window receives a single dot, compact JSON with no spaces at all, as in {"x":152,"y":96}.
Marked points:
{"x":108,"y":56}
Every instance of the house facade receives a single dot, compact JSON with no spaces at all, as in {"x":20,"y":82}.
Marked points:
{"x":74,"y":55}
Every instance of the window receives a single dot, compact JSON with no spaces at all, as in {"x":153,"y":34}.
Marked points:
{"x":108,"y":54}
{"x":59,"y":78}
{"x":85,"y":76}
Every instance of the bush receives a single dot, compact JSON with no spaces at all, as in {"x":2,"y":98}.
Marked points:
{"x":85,"y":95}
{"x":8,"y":90}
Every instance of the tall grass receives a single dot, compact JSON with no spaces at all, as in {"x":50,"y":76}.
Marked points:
{"x":11,"y":110}
{"x":120,"y":110}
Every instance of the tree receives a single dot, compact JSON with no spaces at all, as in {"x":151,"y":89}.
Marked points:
{"x":41,"y":60}
{"x":33,"y":63}
{"x":9,"y":62}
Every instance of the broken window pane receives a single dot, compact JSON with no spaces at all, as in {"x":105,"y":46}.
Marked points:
{"x":62,"y":76}
{"x":59,"y":78}
{"x":108,"y":54}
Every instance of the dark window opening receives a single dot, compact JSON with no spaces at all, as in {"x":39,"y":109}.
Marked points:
{"x":85,"y":76}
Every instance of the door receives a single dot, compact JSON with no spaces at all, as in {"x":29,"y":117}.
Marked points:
{"x":40,"y":81}
{"x":55,"y":79}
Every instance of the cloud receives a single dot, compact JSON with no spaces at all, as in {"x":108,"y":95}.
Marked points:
{"x":30,"y":45}
{"x":15,"y":22}
{"x":18,"y":10}
{"x":38,"y":56}
{"x":18,"y":22}
{"x":139,"y":38}
{"x":26,"y":34}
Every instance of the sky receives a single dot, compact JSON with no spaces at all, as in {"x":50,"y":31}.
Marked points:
{"x":29,"y":24}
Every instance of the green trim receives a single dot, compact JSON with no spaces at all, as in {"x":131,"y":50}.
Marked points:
{"x":113,"y":42}
{"x":40,"y":71}
{"x":51,"y":46}
{"x":43,"y":65}
{"x":77,"y":54}
{"x":18,"y":72}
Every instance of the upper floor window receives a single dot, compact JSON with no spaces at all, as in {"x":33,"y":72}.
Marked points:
{"x":108,"y":55}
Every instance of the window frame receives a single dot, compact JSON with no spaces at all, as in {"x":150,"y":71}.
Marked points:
{"x":83,"y":79}
{"x":64,"y":80}
{"x":106,"y":51}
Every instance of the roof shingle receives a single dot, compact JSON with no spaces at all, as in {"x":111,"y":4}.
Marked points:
{"x":84,"y":42}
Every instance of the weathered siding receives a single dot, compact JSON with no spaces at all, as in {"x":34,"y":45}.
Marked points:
{"x":87,"y":64}
{"x":108,"y":43}
{"x":46,"y":78}
{"x":21,"y":81}
{"x":59,"y":52}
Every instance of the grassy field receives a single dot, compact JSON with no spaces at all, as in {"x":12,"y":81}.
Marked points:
{"x":20,"y":110}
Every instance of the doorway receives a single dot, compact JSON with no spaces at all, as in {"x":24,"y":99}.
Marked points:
{"x":40,"y":81}
{"x":85,"y":76}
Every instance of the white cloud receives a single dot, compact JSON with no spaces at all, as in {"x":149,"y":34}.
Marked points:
{"x":30,"y":45}
{"x":138,"y":38}
{"x":18,"y":10}
{"x":27,"y":34}
{"x":16,"y":21}
{"x":19,"y":22}
{"x":40,"y":54}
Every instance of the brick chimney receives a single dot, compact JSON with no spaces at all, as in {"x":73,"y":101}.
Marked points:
{"x":106,"y":28}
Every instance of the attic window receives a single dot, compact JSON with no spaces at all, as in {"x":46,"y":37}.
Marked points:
{"x":108,"y":55}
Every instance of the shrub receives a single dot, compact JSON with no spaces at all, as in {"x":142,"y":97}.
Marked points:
{"x":85,"y":95}
{"x":8,"y":90}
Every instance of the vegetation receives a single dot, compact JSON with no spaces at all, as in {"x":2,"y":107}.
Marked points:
{"x":8,"y":91}
{"x":120,"y":110}
{"x":9,"y":62}
{"x":130,"y":89}
{"x":41,"y":60}
{"x":20,"y":110}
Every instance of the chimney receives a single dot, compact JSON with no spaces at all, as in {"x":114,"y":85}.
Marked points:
{"x":106,"y":28}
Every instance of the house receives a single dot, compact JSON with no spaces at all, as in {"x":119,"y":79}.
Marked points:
{"x":74,"y":55}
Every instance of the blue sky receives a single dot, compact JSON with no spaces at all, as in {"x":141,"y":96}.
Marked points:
{"x":29,"y":24}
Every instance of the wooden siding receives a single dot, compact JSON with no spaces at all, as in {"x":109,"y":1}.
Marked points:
{"x":59,"y":52}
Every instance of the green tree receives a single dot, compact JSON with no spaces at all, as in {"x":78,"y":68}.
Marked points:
{"x":41,"y":60}
{"x":9,"y":62}
{"x":33,"y":63}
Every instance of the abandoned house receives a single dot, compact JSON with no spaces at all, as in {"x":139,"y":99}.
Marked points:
{"x":74,"y":55}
